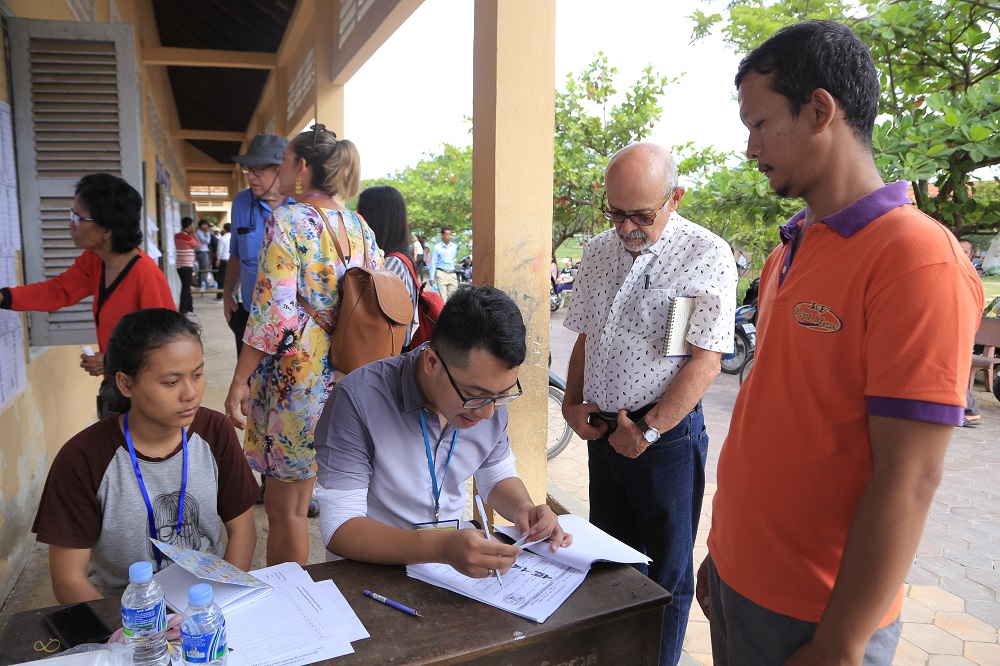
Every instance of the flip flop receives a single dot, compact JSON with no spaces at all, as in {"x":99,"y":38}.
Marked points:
{"x":971,"y":422}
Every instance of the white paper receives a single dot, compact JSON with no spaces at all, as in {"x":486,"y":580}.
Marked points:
{"x":289,"y":627}
{"x":533,"y":588}
{"x":590,"y":544}
{"x":345,"y":616}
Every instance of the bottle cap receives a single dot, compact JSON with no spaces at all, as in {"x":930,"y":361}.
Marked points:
{"x":200,"y":594}
{"x":140,"y":572}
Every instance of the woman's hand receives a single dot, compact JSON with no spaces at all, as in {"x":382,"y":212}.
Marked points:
{"x":238,"y":404}
{"x":93,"y":363}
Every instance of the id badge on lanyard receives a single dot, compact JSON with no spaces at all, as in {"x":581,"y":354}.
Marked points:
{"x":437,"y":523}
{"x":145,"y":495}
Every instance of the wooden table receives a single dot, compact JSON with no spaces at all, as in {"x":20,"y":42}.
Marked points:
{"x":614,"y":617}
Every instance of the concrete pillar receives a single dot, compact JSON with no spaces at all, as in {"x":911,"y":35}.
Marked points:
{"x":329,"y":96}
{"x":513,"y":125}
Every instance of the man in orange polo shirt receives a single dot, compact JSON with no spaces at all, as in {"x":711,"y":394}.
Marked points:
{"x":867,"y":312}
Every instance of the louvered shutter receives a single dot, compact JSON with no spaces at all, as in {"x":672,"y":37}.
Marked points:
{"x":76,"y":111}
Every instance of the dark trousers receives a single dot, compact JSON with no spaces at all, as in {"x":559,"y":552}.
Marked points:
{"x":221,"y":272}
{"x":653,"y":504}
{"x":238,"y":325}
{"x":187,"y":304}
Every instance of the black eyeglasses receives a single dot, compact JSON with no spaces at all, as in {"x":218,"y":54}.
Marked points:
{"x":76,"y":219}
{"x":317,"y":128}
{"x":476,"y":403}
{"x":257,"y":171}
{"x":642,"y":219}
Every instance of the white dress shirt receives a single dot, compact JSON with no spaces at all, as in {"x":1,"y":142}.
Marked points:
{"x":623,"y":307}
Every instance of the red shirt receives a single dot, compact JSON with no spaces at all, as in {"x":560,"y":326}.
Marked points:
{"x":875,"y":317}
{"x":141,"y":285}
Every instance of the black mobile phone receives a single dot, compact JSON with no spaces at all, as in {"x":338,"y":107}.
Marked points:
{"x":610,"y":419}
{"x":77,"y":625}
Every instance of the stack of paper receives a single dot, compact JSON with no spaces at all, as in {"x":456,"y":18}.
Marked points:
{"x":533,"y":588}
{"x":277,"y":616}
{"x":540,"y":581}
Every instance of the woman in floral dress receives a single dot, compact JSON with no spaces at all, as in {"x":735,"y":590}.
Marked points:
{"x":285,"y":358}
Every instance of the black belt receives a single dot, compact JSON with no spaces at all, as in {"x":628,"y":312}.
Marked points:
{"x":611,"y":418}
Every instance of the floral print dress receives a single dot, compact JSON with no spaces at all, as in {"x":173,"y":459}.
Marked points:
{"x":290,"y":386}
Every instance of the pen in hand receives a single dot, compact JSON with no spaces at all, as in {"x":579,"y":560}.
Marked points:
{"x":486,"y":528}
{"x":389,"y":602}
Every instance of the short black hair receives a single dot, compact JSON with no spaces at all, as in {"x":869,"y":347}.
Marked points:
{"x":480,"y":318}
{"x":136,"y":335}
{"x":384,"y":209}
{"x":116,"y":206}
{"x":226,"y":227}
{"x":205,"y":222}
{"x":820,"y":54}
{"x":445,"y":228}
{"x":186,"y":222}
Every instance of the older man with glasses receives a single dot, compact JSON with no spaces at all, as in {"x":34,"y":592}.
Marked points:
{"x":399,"y":438}
{"x":251,"y":208}
{"x":637,"y":402}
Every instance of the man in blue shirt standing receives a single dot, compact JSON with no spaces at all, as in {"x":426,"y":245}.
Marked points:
{"x":442,"y":267}
{"x":251,"y":208}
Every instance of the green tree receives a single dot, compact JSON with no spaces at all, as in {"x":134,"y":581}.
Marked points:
{"x":437,"y":190}
{"x":938,"y":61}
{"x":590,"y":127}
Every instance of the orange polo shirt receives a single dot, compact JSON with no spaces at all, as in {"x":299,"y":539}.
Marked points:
{"x":875,"y":316}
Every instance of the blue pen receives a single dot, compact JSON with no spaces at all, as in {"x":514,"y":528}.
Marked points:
{"x":391,"y":603}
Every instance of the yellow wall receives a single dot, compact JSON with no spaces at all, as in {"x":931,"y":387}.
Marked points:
{"x":59,"y":399}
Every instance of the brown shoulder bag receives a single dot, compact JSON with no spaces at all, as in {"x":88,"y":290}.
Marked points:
{"x":374,"y":314}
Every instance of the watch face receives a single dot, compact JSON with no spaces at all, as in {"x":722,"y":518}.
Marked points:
{"x":651,"y":435}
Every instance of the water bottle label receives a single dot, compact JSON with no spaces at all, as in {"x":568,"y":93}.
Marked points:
{"x":144,"y":621}
{"x":203,"y":648}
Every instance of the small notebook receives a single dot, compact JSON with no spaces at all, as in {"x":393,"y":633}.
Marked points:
{"x":675,"y":341}
{"x":231,"y":586}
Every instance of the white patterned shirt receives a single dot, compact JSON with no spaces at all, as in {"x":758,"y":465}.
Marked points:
{"x":623,"y":306}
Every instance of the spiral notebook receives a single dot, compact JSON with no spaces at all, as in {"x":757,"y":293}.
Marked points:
{"x":675,"y":341}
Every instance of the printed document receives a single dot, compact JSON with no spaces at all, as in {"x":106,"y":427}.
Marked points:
{"x":590,"y":544}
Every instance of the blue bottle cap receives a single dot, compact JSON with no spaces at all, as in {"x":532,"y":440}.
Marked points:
{"x":200,"y":594}
{"x":140,"y":572}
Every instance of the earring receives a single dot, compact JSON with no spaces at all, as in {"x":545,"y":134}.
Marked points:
{"x":105,"y":236}
{"x":298,"y":186}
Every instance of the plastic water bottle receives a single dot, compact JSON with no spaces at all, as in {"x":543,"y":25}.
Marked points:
{"x":203,"y":629}
{"x":144,"y":617}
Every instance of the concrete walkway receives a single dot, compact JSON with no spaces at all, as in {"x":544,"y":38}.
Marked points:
{"x":951,"y":612}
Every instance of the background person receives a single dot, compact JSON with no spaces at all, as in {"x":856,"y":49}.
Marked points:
{"x":250,"y":210}
{"x":93,"y":513}
{"x":647,"y":476}
{"x":285,"y":357}
{"x":186,"y":248}
{"x":204,"y":254}
{"x":442,"y":268}
{"x":384,"y":209}
{"x":222,"y":260}
{"x":104,"y":223}
{"x":837,"y":439}
{"x":373,"y":462}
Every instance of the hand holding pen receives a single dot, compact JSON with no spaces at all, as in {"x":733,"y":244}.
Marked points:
{"x":486,"y":528}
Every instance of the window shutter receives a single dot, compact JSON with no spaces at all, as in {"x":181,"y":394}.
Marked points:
{"x":75,"y":99}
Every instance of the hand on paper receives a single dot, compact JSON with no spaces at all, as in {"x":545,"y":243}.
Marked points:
{"x":237,"y":404}
{"x":578,"y":415}
{"x":93,"y":364}
{"x":541,"y":522}
{"x":627,"y":440}
{"x":472,"y":554}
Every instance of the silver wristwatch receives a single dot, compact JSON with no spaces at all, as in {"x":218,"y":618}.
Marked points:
{"x":649,"y":433}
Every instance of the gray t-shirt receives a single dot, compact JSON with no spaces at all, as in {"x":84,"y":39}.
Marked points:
{"x":92,"y":498}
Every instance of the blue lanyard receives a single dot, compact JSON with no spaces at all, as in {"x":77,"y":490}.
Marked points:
{"x":145,"y":495}
{"x":430,"y":465}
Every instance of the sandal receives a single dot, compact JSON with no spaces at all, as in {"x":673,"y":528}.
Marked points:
{"x":972,"y":420}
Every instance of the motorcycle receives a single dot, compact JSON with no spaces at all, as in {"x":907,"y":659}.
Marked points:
{"x":560,"y":433}
{"x":744,"y":339}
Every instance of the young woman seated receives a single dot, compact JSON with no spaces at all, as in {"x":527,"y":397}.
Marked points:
{"x":165,"y":467}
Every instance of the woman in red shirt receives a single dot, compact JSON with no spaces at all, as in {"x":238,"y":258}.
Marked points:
{"x":105,"y":224}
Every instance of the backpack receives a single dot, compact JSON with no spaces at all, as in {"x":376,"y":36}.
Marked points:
{"x":375,"y":311}
{"x":429,"y":306}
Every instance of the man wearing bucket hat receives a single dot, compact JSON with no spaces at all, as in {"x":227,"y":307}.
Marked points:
{"x":251,"y":208}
